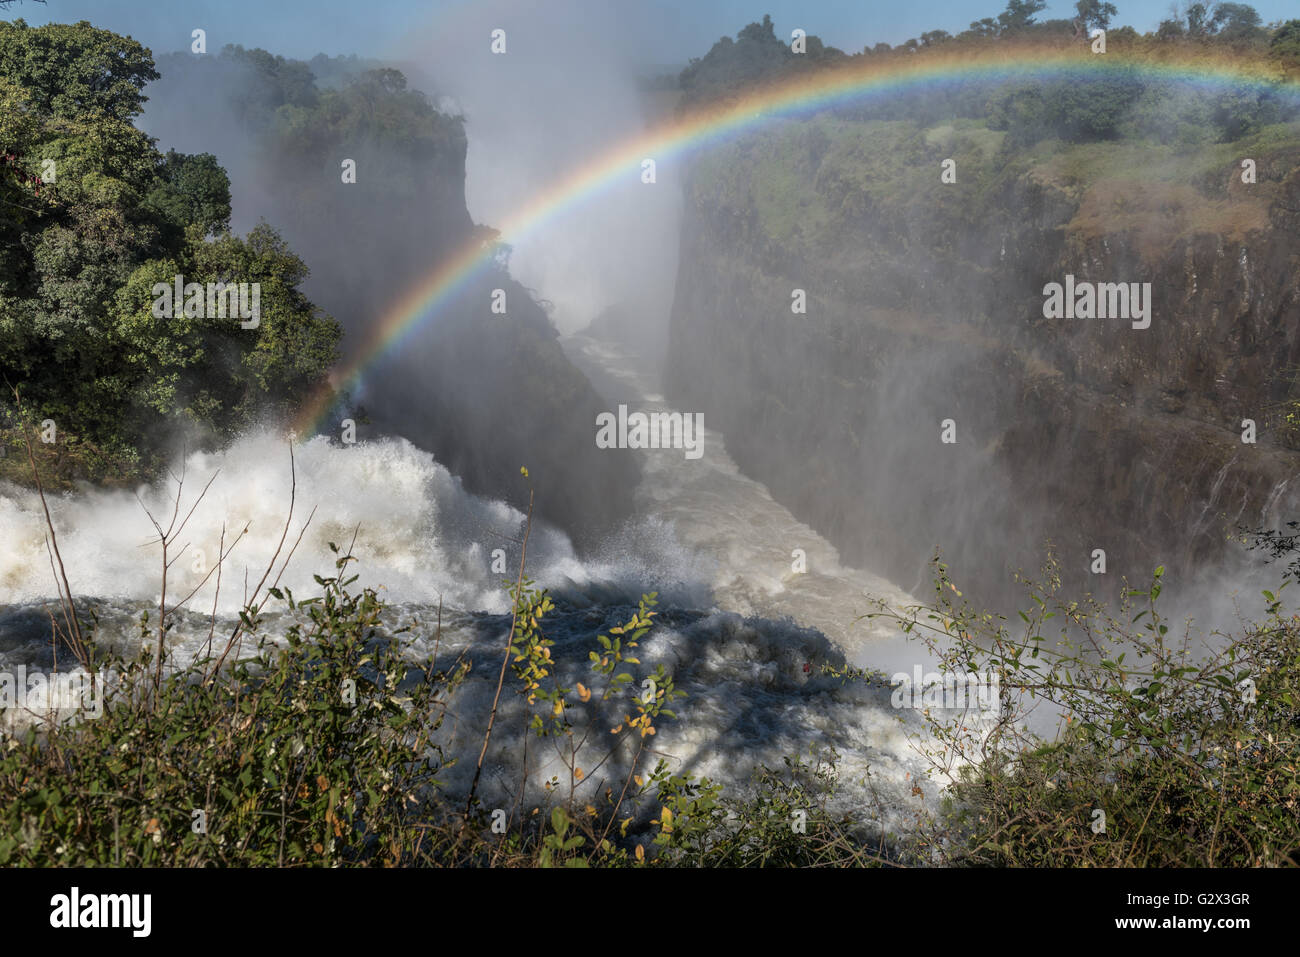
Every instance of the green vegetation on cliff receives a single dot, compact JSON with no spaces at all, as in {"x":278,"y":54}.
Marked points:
{"x":92,"y":215}
{"x":810,"y":183}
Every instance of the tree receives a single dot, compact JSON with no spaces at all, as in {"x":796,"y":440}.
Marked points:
{"x":1236,"y":21}
{"x":81,"y":256}
{"x":270,"y":82}
{"x":207,"y":371}
{"x":1078,"y":107}
{"x":1019,"y":14}
{"x":192,"y":190}
{"x":1224,"y":21}
{"x":758,"y":32}
{"x":756,"y":56}
{"x":1170,"y":29}
{"x":1285,"y":45}
{"x":1095,"y":14}
{"x":70,"y":70}
{"x":1197,"y":16}
{"x":19,"y":199}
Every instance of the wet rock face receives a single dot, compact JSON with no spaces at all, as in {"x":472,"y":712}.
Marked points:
{"x":1085,"y":432}
{"x":490,"y":392}
{"x":484,"y":392}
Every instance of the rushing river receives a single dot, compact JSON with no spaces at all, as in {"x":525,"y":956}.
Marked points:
{"x":751,"y":601}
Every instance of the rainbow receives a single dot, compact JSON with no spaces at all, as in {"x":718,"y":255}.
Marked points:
{"x":802,"y":94}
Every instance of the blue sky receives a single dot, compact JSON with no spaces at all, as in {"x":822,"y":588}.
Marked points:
{"x":673,"y":30}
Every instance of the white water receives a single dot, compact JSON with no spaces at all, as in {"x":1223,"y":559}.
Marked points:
{"x":742,"y":633}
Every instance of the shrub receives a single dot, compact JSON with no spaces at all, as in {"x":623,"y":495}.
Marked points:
{"x":316,"y":753}
{"x":1168,"y":753}
{"x":321,"y":748}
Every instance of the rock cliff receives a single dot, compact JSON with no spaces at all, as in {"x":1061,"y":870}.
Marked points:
{"x":925,"y":304}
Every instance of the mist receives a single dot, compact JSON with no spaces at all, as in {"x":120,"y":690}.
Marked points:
{"x":610,"y":256}
{"x":570,"y":86}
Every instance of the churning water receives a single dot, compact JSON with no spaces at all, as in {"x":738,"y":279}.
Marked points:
{"x":743,"y":633}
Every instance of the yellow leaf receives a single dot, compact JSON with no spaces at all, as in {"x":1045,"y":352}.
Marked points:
{"x":640,"y":853}
{"x":637,"y":779}
{"x":583,"y":693}
{"x":577,"y":773}
{"x":558,"y":710}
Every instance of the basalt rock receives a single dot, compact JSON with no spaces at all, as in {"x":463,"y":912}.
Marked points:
{"x":925,"y":304}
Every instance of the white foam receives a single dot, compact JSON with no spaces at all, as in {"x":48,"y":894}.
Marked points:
{"x":419,"y":535}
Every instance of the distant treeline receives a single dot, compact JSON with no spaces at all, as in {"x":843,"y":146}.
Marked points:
{"x":1076,"y":105}
{"x":1220,"y":26}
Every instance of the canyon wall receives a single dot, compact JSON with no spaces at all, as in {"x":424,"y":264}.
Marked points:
{"x":485,"y":392}
{"x":925,"y":304}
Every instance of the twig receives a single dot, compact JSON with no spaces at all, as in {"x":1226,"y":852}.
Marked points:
{"x":505,"y":658}
{"x":293,"y":496}
{"x":70,"y":612}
